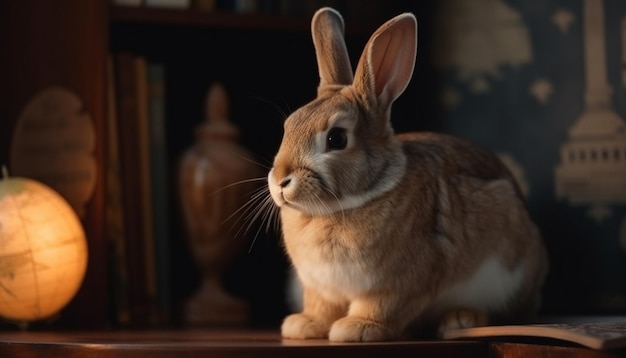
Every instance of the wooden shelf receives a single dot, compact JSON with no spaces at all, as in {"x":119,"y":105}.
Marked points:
{"x":215,"y":343}
{"x":200,"y":343}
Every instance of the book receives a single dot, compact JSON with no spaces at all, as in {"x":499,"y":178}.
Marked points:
{"x":144,"y":164}
{"x":114,"y":210}
{"x":159,"y":172}
{"x":129,"y":112}
{"x":598,"y":335}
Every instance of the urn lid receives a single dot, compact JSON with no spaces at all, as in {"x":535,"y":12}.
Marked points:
{"x":216,"y":124}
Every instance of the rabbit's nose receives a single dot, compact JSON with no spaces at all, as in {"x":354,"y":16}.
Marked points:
{"x":285,"y":182}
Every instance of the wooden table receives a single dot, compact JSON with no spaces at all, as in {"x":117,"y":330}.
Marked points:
{"x":212,"y":343}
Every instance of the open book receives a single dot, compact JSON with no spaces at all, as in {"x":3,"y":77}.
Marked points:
{"x":605,"y":335}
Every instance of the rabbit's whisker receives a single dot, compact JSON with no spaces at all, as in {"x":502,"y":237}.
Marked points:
{"x":245,"y":213}
{"x":248,"y":203}
{"x":266,"y":212}
{"x":341,"y":209}
{"x":283,"y":113}
{"x":240,"y":182}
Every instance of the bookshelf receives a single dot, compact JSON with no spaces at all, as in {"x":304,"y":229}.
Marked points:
{"x":266,"y":63}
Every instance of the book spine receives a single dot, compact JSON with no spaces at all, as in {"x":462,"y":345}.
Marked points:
{"x":160,"y":186}
{"x":114,"y":211}
{"x":145,"y":187}
{"x":128,"y":129}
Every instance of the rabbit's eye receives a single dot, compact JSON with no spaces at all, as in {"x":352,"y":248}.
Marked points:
{"x":337,"y":139}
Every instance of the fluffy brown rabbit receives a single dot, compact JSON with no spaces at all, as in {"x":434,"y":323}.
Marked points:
{"x":388,"y":232}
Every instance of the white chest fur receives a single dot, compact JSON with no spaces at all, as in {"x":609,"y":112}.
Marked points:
{"x":337,"y":272}
{"x":336,"y":281}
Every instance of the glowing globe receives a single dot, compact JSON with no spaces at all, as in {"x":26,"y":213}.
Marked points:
{"x":43,"y":250}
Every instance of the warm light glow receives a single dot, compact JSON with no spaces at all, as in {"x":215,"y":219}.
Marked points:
{"x":43,"y":250}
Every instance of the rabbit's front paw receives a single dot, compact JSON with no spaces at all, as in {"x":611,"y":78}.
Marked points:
{"x":301,"y":326}
{"x":353,"y":329}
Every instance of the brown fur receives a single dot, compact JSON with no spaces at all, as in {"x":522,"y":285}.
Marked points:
{"x":379,"y":231}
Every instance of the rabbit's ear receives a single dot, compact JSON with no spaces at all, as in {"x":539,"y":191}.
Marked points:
{"x":334,"y":66}
{"x":387,"y":62}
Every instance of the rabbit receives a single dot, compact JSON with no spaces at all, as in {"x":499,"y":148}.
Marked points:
{"x":389,"y":233}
